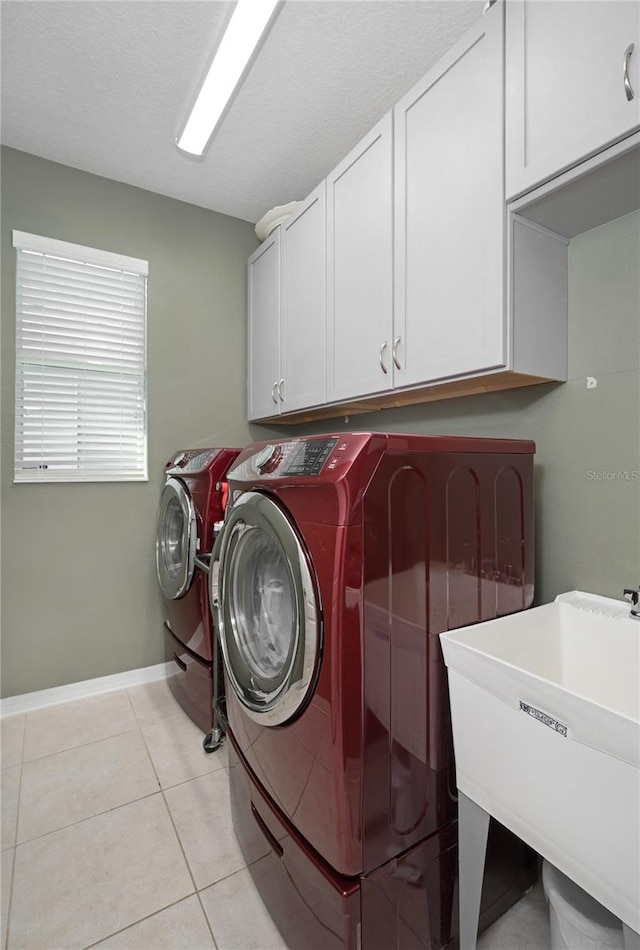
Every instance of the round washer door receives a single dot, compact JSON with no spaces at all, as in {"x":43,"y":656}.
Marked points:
{"x":268,"y":610}
{"x":176,"y":540}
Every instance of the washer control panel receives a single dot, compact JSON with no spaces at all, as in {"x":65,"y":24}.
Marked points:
{"x":295,"y":457}
{"x":310,"y":457}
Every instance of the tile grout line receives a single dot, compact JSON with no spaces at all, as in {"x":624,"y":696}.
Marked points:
{"x":206,"y":917}
{"x":184,"y":853}
{"x":81,"y":699}
{"x":16,"y":844}
{"x":157,"y":791}
{"x":245,"y":867}
{"x":221,"y":768}
{"x":15,"y":840}
{"x":179,"y":714}
{"x":84,"y":745}
{"x":175,"y":830}
{"x":166,"y":805}
{"x":160,"y":790}
{"x":136,"y":922}
{"x":80,"y":821}
{"x":81,"y":745}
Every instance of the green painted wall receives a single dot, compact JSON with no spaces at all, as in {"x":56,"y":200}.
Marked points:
{"x":79,"y":594}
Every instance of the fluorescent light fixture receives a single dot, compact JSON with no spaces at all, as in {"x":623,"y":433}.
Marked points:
{"x":249,"y":21}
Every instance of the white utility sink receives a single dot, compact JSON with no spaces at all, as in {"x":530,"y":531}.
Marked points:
{"x":545,"y":708}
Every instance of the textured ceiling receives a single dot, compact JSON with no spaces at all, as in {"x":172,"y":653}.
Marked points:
{"x":105,"y":85}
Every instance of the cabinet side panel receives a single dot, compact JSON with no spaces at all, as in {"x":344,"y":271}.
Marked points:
{"x":539,"y":301}
{"x":264,"y":328}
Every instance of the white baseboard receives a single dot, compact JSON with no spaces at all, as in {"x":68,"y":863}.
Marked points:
{"x":28,"y":702}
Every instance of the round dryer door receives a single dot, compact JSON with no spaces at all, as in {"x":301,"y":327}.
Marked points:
{"x":268,"y":612}
{"x":176,"y":540}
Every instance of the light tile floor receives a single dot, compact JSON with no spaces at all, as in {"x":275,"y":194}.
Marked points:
{"x":116,"y":833}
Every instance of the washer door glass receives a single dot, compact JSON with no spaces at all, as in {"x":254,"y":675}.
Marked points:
{"x":263,"y":604}
{"x":268,"y":610}
{"x":176,"y":540}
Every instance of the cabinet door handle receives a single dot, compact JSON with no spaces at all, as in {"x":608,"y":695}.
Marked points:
{"x":280,"y":396}
{"x":273,"y":392}
{"x":380,"y":357}
{"x":628,"y":88}
{"x":394,"y":352}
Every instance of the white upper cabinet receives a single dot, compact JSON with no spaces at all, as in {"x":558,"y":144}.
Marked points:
{"x":264,"y":272}
{"x":303,"y":336}
{"x":573,"y":83}
{"x":450,"y":214}
{"x":360,"y":268}
{"x":405,"y":276}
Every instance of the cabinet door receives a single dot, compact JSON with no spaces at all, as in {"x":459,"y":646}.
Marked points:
{"x":566,"y":92}
{"x":450,"y":218}
{"x":304,"y":323}
{"x":360,"y":268}
{"x":264,"y":329}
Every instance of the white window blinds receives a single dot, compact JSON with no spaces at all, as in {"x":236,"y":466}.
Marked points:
{"x":80,"y":363}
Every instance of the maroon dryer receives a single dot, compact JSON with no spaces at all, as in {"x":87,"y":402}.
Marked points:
{"x":341,"y":559}
{"x":190,"y":505}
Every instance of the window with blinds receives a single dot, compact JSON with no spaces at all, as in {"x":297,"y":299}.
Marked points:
{"x":80,"y":363}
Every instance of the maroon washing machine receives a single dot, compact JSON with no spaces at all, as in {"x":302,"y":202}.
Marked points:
{"x":341,"y":560}
{"x":190,"y":505}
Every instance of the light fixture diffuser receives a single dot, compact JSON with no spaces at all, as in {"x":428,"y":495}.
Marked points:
{"x":249,"y":21}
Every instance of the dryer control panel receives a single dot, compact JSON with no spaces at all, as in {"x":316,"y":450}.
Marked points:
{"x":190,"y":461}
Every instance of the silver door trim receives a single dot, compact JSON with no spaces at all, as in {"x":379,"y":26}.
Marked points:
{"x":254,"y":511}
{"x":175,"y":586}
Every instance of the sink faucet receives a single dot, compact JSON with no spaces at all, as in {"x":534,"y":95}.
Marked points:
{"x":633,"y":596}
